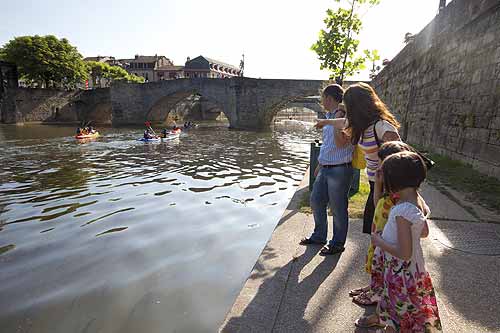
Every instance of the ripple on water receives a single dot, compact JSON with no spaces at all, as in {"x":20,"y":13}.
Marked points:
{"x":115,"y":216}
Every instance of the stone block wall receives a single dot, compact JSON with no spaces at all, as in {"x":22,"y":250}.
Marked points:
{"x":444,"y":86}
{"x":20,"y":105}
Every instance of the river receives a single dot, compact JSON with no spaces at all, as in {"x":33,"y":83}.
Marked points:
{"x":117,"y":235}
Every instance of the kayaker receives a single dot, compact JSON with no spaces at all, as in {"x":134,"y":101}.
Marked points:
{"x":78,"y":131}
{"x":147,"y":134}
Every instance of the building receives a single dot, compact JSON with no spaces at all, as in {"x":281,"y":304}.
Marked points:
{"x":169,"y":72}
{"x":148,"y":66}
{"x":205,"y":67}
{"x":107,"y":59}
{"x":158,"y":68}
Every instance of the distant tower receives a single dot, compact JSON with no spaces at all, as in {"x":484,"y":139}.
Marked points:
{"x":442,"y":4}
{"x":242,"y":64}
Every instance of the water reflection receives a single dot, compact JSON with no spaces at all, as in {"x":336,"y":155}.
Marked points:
{"x":119,"y":235}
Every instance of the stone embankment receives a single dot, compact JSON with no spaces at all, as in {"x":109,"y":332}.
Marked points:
{"x":444,"y":86}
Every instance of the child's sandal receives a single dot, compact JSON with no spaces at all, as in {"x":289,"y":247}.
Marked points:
{"x":359,"y":291}
{"x":368,"y":322}
{"x":365,"y":299}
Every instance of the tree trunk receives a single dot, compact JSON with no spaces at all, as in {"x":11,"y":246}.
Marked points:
{"x":347,"y":44}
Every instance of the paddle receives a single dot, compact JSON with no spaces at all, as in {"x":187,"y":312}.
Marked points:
{"x":148,"y":125}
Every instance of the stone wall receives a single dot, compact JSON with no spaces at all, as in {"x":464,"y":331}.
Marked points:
{"x":20,"y":105}
{"x":444,"y":86}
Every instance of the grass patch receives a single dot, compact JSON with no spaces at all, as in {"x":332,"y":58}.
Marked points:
{"x":356,"y":202}
{"x":477,"y":187}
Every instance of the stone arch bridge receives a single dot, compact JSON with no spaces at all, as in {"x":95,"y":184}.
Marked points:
{"x":247,"y":103}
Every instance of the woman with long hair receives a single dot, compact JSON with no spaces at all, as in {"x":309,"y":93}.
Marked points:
{"x":369,"y":124}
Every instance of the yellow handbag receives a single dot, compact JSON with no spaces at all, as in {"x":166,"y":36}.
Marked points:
{"x":358,"y":158}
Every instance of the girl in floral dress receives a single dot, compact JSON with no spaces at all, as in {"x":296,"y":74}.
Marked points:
{"x":408,"y":302}
{"x":370,"y":294}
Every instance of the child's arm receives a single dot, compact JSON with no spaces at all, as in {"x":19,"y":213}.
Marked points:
{"x":423,"y":206}
{"x":425,"y":230}
{"x":403,"y":249}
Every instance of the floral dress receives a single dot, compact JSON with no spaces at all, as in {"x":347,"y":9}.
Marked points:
{"x":375,"y":264}
{"x":380,"y":217}
{"x":408,"y":302}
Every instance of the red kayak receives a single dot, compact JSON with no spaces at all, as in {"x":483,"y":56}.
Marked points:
{"x":176,"y":131}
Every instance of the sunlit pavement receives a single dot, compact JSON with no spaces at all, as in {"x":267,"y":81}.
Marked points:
{"x":293,"y":289}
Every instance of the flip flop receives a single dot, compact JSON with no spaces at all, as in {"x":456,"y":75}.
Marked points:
{"x":331,"y":249}
{"x":309,"y":241}
{"x":358,"y":291}
{"x":365,"y":322}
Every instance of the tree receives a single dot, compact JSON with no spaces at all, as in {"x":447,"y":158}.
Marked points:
{"x":102,"y":70}
{"x":372,"y":56}
{"x":55,"y":62}
{"x":337,"y":45}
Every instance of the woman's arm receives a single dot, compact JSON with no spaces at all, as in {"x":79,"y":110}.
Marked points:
{"x":341,"y":139}
{"x":378,"y":187}
{"x":403,"y":249}
{"x":338,"y":123}
{"x":316,"y":171}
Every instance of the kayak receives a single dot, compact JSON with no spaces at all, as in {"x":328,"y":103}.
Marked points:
{"x":87,"y":136}
{"x":172,"y":135}
{"x":157,"y":139}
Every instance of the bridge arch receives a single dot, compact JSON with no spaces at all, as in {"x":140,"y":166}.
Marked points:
{"x":307,"y":102}
{"x":160,"y":111}
{"x":311,"y":103}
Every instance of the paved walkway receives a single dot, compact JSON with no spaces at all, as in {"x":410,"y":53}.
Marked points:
{"x":293,"y":289}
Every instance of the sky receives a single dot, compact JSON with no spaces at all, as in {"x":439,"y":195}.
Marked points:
{"x":274,"y":35}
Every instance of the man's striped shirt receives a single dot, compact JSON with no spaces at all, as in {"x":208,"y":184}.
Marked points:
{"x":329,"y":153}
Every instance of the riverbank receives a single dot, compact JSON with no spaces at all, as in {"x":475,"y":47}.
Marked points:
{"x":292,"y":289}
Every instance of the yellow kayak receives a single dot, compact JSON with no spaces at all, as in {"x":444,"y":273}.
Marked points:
{"x":87,"y":136}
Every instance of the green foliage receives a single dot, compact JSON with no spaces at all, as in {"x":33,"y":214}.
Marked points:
{"x":337,"y":45}
{"x":99,"y":70}
{"x":55,"y":62}
{"x":372,"y":56}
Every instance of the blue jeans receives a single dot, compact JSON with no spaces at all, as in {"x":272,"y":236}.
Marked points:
{"x":331,"y":187}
